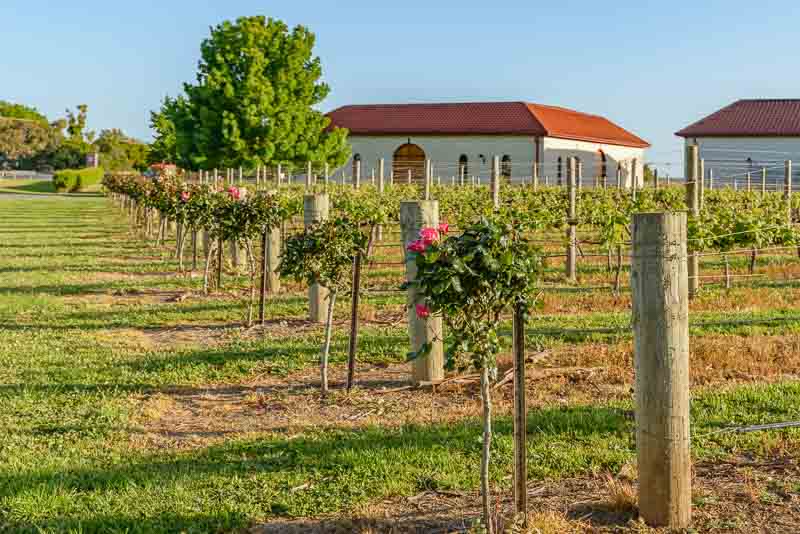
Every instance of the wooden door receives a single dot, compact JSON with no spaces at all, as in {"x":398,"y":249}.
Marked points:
{"x":408,"y":157}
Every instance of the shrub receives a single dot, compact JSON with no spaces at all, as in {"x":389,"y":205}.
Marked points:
{"x":73,"y":180}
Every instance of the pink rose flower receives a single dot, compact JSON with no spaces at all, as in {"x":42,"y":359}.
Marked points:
{"x":429,"y":235}
{"x":444,"y":228}
{"x":416,"y":246}
{"x":423,"y":311}
{"x":185,"y":196}
{"x":234,"y":192}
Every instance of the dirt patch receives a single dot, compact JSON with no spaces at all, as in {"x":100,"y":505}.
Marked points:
{"x":740,"y":495}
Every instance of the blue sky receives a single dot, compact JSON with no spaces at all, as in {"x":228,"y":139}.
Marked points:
{"x":652,"y":67}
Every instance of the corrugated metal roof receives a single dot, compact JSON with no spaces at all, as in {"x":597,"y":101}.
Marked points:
{"x":481,"y":118}
{"x":750,"y":118}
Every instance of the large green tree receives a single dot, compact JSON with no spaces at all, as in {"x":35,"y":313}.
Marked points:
{"x":118,"y":152}
{"x":254,"y":101}
{"x":164,"y":148}
{"x":24,"y":132}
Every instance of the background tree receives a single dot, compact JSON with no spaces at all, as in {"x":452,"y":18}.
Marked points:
{"x":24,"y":132}
{"x":253,"y":104}
{"x":164,"y":148}
{"x":118,"y":152}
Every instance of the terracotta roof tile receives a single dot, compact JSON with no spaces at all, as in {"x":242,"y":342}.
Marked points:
{"x":481,"y":118}
{"x":750,"y":118}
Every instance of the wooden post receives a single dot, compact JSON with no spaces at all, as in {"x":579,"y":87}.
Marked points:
{"x":535,"y":176}
{"x":710,"y":182}
{"x":461,"y":174}
{"x":619,"y":177}
{"x":692,"y":164}
{"x":315,"y":209}
{"x":655,"y":179}
{"x":495,"y":183}
{"x":580,"y":175}
{"x":309,"y":176}
{"x":634,"y":184}
{"x":764,"y":181}
{"x":410,"y":179}
{"x":787,"y":189}
{"x":520,"y":419}
{"x":351,"y":355}
{"x":381,"y":188}
{"x":749,"y":182}
{"x":241,"y":176}
{"x":357,"y":175}
{"x":701,"y":192}
{"x":572,"y":231}
{"x":415,"y":215}
{"x":661,"y":353}
{"x":279,"y":175}
{"x":428,"y":178}
{"x":270,"y":258}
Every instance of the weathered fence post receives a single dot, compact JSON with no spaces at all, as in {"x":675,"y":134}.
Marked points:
{"x":495,"y":182}
{"x":692,"y":166}
{"x":415,"y":215}
{"x":572,"y":230}
{"x":535,"y":176}
{"x":381,"y":188}
{"x":764,"y":181}
{"x":309,"y":176}
{"x":656,"y":183}
{"x":315,"y":209}
{"x":357,"y":175}
{"x":580,"y":175}
{"x":520,"y":418}
{"x":619,"y":177}
{"x":270,"y":258}
{"x":353,"y":346}
{"x":661,"y":351}
{"x":749,"y":182}
{"x":787,"y":189}
{"x":710,"y":181}
{"x":701,"y":191}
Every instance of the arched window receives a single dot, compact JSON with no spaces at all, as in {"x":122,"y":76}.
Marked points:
{"x":505,"y":167}
{"x":559,"y":169}
{"x":356,"y":163}
{"x":463,"y":167}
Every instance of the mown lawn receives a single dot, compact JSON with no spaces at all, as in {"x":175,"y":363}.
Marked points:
{"x":73,"y":285}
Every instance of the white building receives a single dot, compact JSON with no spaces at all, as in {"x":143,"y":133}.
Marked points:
{"x":747,"y":137}
{"x":462,"y":139}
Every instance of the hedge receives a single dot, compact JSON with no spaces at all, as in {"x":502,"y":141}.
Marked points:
{"x":73,"y":180}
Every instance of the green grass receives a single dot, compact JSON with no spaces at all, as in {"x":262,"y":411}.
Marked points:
{"x":70,"y":389}
{"x":38,"y":187}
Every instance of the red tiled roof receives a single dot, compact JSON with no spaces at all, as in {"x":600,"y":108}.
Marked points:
{"x":481,"y":118}
{"x":751,"y":118}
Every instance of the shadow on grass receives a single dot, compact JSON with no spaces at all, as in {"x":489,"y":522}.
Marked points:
{"x":341,"y":469}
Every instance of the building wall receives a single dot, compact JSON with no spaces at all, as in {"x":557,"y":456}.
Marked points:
{"x":444,"y":152}
{"x":589,"y":153}
{"x":731,"y":158}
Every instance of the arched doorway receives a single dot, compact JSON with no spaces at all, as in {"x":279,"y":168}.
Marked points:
{"x":408,"y":157}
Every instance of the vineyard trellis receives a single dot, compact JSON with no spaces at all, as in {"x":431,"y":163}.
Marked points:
{"x":244,"y":208}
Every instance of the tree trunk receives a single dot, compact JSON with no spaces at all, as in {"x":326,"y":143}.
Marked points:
{"x":326,"y":348}
{"x":179,"y":251}
{"x":209,"y":256}
{"x":251,"y":264}
{"x":486,"y":397}
{"x":753,"y":256}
